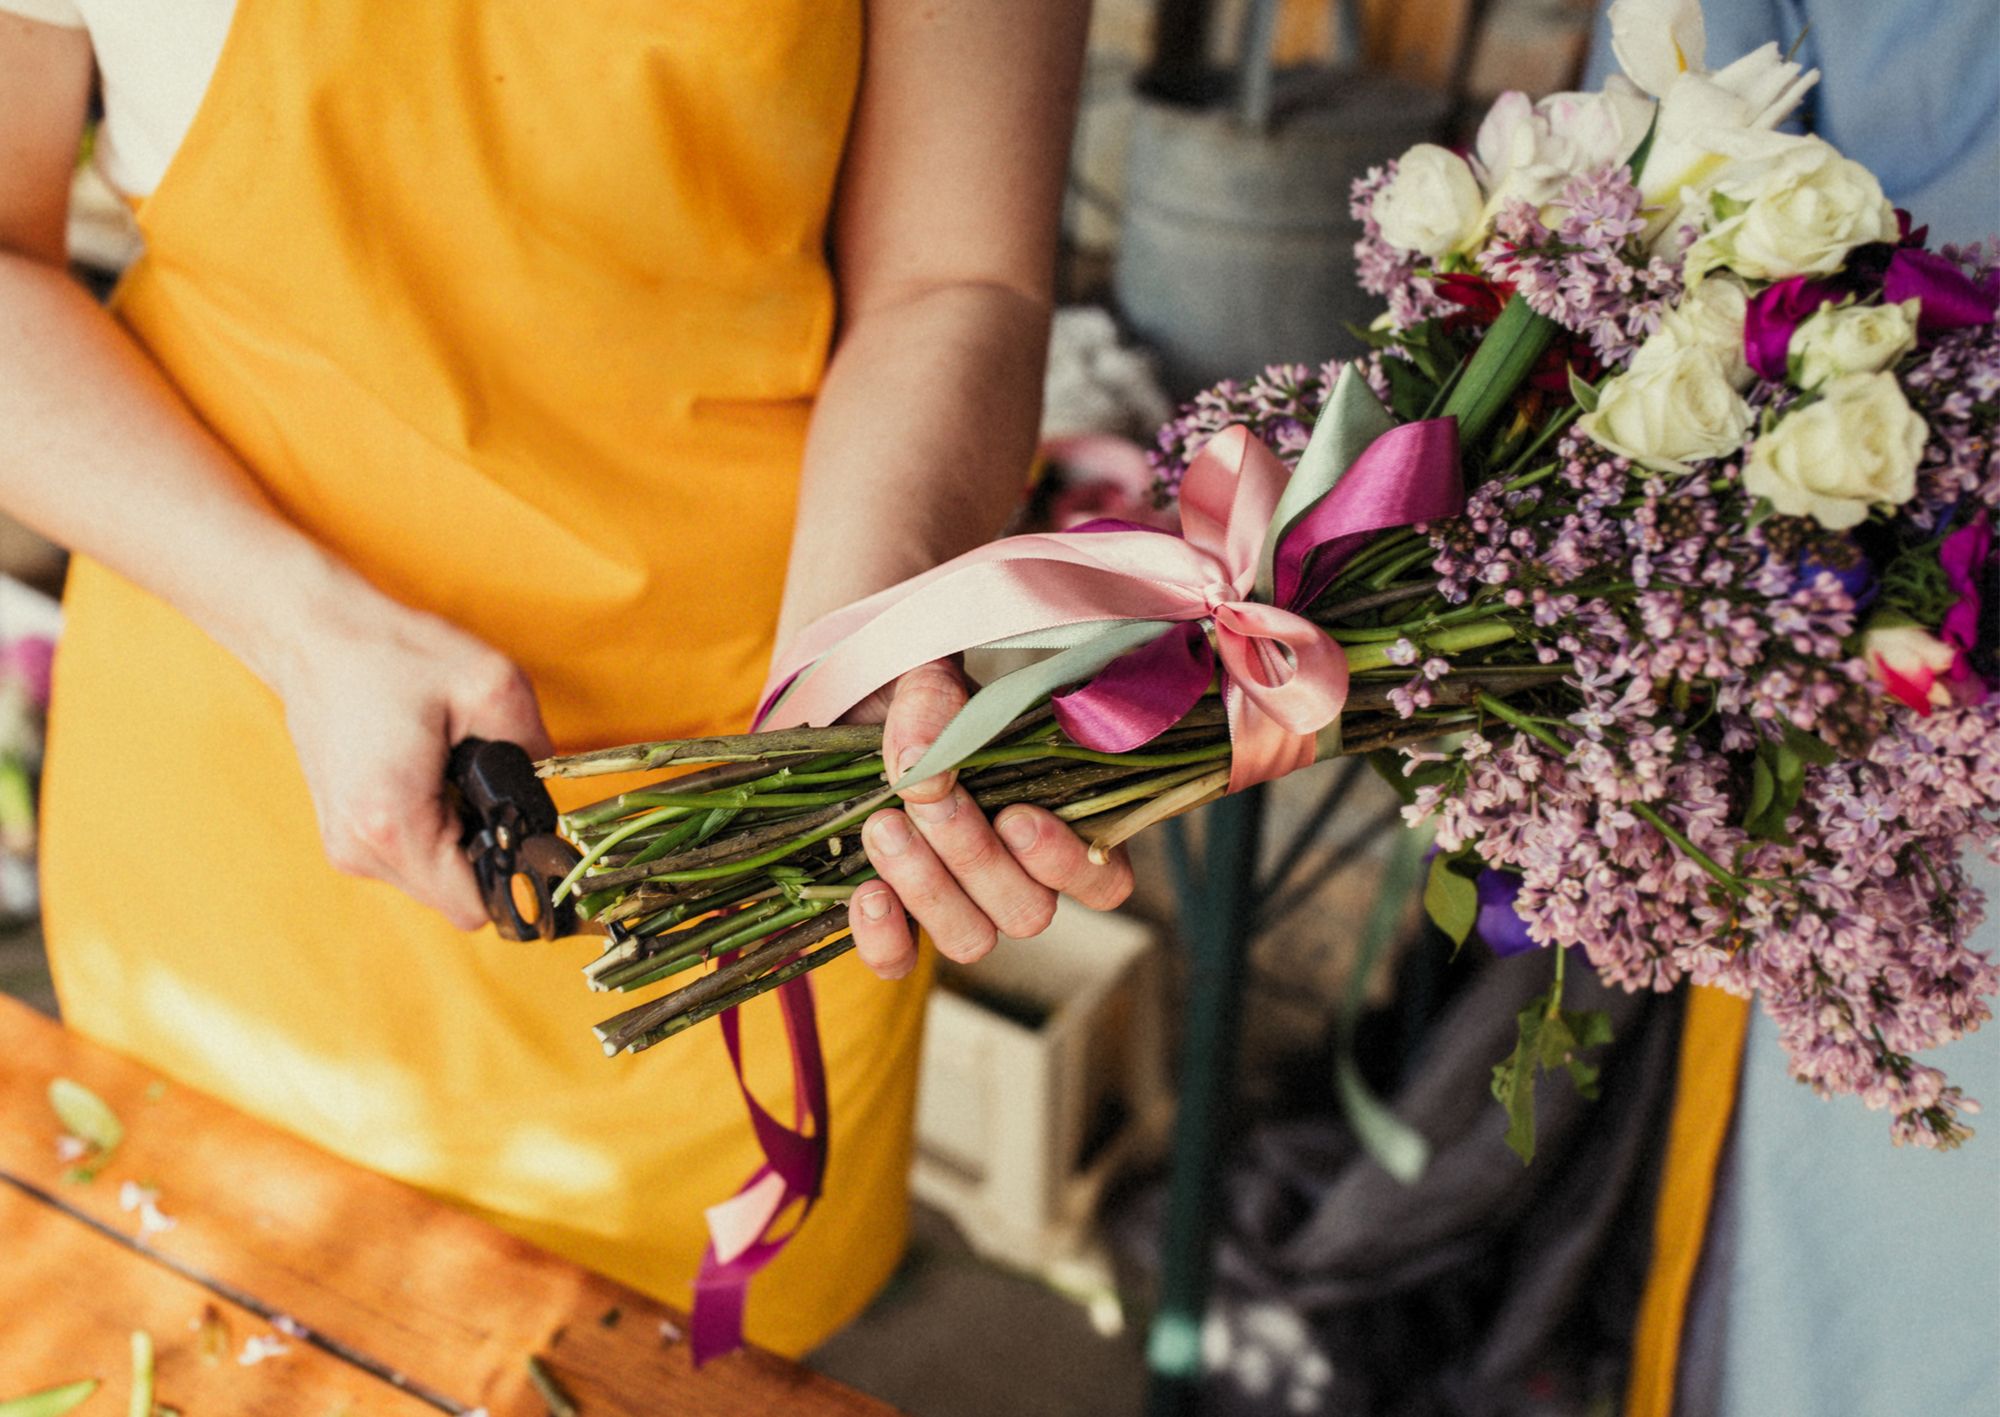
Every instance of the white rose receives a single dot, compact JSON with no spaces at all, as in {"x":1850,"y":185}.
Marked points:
{"x":1433,"y":204}
{"x":1855,"y":447}
{"x":1850,"y":339}
{"x":1785,"y":206}
{"x":1710,"y":317}
{"x":1675,"y":405}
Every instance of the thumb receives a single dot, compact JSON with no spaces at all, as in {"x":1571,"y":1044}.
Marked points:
{"x":926,"y":699}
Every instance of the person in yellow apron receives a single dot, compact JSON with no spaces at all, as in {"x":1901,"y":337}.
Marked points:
{"x":484,"y":370}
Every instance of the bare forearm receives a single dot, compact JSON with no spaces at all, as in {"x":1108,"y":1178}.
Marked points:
{"x":920,"y":444}
{"x":101,"y":455}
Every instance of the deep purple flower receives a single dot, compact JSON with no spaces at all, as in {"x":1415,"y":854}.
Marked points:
{"x":1499,"y":924}
{"x":1950,"y":299}
{"x":1771,"y":317}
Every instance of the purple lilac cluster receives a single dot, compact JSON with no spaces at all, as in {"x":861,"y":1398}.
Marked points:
{"x":1386,"y":270}
{"x":1638,"y":581}
{"x":1593,"y":272}
{"x":1853,"y":934}
{"x":1955,"y":385}
{"x":1691,"y":647}
{"x":1278,"y":405}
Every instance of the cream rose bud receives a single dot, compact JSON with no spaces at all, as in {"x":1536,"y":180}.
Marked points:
{"x":1851,"y":339}
{"x":1432,"y":205}
{"x":1855,"y":447}
{"x":1786,"y":206}
{"x":1673,"y":406}
{"x":1711,"y":316}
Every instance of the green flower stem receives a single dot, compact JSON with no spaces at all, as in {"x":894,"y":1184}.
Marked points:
{"x":775,"y":854}
{"x":1414,"y":628}
{"x":1135,"y":791}
{"x":1454,"y":639}
{"x":1417,"y":556}
{"x":1554,"y":430}
{"x":1528,"y":725}
{"x":680,"y":1023}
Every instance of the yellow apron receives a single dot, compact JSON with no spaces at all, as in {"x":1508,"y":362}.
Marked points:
{"x":521,"y":309}
{"x":1711,"y":1056}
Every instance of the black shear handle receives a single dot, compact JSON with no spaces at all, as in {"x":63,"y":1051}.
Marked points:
{"x":507,"y":828}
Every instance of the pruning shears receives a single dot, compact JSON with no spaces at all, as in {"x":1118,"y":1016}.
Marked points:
{"x":507,"y":829}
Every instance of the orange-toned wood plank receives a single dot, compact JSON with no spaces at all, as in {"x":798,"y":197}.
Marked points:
{"x":374,"y":1265}
{"x":70,"y":1299}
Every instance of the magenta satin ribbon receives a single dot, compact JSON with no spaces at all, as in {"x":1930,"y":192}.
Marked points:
{"x":1282,"y":681}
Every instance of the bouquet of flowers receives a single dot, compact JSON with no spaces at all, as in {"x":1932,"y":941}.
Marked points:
{"x":1649,"y":551}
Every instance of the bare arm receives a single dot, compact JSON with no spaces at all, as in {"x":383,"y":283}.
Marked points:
{"x":944,"y":241}
{"x":102,"y":456}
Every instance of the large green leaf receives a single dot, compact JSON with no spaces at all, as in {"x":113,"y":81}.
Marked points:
{"x":1504,"y":358}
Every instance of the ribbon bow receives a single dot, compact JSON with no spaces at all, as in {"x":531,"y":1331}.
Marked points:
{"x":1145,"y":617}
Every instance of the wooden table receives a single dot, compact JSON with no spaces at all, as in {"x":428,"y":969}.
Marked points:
{"x":407,"y":1307}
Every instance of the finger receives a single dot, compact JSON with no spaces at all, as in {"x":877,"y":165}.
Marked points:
{"x":1018,"y":905}
{"x":959,"y":929}
{"x":927,"y":698}
{"x":501,"y":706}
{"x":410,"y":850}
{"x":432,"y":869}
{"x":444,"y":881}
{"x":881,"y":930}
{"x":1057,"y":857}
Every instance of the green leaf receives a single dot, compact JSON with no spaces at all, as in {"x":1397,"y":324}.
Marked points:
{"x":85,"y":1115}
{"x":1514,"y":1078}
{"x":1410,"y":391}
{"x":1637,"y":162}
{"x":1549,"y":1037}
{"x":50,"y":1402}
{"x":1451,"y":895}
{"x":1584,"y":394}
{"x":1763,"y":791}
{"x":1504,"y":358}
{"x":1810,"y":746}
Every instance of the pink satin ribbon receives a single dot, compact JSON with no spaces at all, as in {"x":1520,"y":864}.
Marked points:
{"x":1283,"y":680}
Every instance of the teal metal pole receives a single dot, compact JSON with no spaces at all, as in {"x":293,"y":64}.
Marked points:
{"x":1219,"y":912}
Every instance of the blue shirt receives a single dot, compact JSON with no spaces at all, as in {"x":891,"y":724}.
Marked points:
{"x":1844,"y":1277}
{"x":1908,"y":88}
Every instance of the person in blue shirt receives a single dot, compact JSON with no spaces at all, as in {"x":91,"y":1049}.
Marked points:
{"x":1840,"y":1275}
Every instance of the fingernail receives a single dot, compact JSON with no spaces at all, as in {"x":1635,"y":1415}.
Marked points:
{"x":875,"y":905}
{"x":908,"y":759}
{"x":931,"y":813}
{"x":1019,"y":830}
{"x":890,"y":834}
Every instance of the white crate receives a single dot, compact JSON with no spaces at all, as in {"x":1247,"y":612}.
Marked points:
{"x":1026,"y":1055}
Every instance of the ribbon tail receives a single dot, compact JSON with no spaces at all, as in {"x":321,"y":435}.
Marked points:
{"x":741,"y":1242}
{"x":1140,"y":695}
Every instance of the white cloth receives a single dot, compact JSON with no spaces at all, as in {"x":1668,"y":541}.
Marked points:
{"x":155,"y":58}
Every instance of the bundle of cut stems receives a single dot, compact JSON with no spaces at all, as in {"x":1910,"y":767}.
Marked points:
{"x":751,"y":860}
